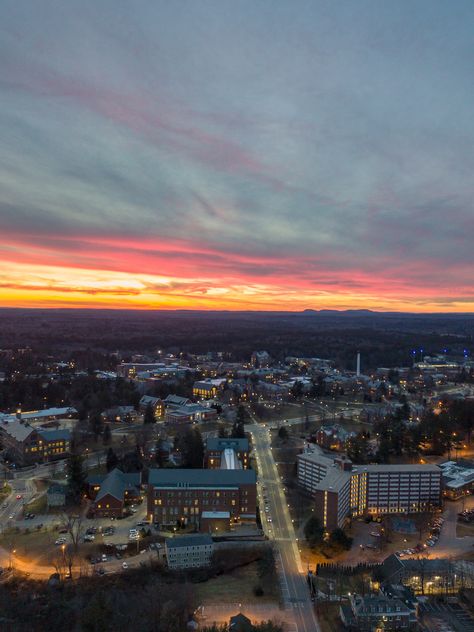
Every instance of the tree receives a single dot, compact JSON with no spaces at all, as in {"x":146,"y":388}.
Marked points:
{"x":76,"y":476}
{"x":96,"y":424}
{"x":283,"y":433}
{"x":106,"y":435}
{"x":358,"y":449}
{"x":313,"y":531}
{"x":191,"y":446}
{"x":112,"y":460}
{"x":159,"y":452}
{"x":149,"y":417}
{"x":222,"y":432}
{"x":340,"y":540}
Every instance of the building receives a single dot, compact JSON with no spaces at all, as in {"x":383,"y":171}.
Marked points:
{"x":426,"y":576}
{"x":373,"y":612}
{"x":458,"y":479}
{"x":119,"y":414}
{"x":180,"y":496}
{"x":190,"y":413}
{"x":333,"y":437}
{"x":156,"y":404}
{"x":189,"y":551}
{"x":175,"y":401}
{"x":43,"y":416}
{"x":111,"y":493}
{"x":260,"y":359}
{"x":205,"y":389}
{"x":26,"y":445}
{"x":342,"y":490}
{"x":226,"y":453}
{"x":56,"y":496}
{"x":240,"y":623}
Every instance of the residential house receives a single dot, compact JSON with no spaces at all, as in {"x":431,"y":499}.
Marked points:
{"x":373,"y":612}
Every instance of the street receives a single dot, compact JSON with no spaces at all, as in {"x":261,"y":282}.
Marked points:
{"x":294,"y":587}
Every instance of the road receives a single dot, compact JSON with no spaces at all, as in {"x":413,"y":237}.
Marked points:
{"x":294,"y":586}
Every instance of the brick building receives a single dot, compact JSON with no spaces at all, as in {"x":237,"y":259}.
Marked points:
{"x":111,"y":493}
{"x":217,"y":448}
{"x":26,"y":445}
{"x":182,"y":495}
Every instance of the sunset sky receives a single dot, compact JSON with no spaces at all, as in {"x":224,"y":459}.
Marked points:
{"x":234,"y":154}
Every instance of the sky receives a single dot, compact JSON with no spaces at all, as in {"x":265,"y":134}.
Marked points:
{"x":234,"y":154}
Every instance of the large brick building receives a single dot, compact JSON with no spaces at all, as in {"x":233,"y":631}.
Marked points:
{"x":219,"y":449}
{"x":182,"y":496}
{"x":342,"y":489}
{"x":26,"y":445}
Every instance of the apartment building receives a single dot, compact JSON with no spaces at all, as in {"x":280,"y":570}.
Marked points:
{"x":184,"y":496}
{"x":341,"y":489}
{"x":189,"y":551}
{"x":366,"y":613}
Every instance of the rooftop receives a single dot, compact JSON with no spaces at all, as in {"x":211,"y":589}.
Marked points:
{"x":180,"y":541}
{"x":181,"y":477}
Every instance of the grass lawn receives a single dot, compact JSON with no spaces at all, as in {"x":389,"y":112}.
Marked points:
{"x":36,"y":545}
{"x":236,"y":587}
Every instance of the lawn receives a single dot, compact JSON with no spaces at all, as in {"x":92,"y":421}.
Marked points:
{"x":236,"y":587}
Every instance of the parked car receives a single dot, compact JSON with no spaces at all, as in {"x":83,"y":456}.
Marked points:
{"x":89,"y":537}
{"x":124,"y":566}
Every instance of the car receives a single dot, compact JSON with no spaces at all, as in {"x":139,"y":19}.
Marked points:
{"x":103,"y":557}
{"x":60,"y":541}
{"x":375,"y":534}
{"x":5,"y":505}
{"x":124,"y":566}
{"x":89,"y":537}
{"x":267,"y":509}
{"x":142,"y":523}
{"x":19,"y":496}
{"x":11,"y":516}
{"x":269,"y":519}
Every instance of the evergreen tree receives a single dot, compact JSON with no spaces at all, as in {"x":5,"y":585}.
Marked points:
{"x":106,"y":435}
{"x":76,"y":477}
{"x":149,"y":417}
{"x":111,"y":460}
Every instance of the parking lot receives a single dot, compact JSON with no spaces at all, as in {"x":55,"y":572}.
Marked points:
{"x":441,"y":616}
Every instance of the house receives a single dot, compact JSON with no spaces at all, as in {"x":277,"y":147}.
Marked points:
{"x":260,"y":359}
{"x":240,"y":623}
{"x":226,"y":453}
{"x":368,"y":613}
{"x":181,"y":496}
{"x":189,"y":551}
{"x":26,"y":445}
{"x":156,"y":404}
{"x":56,"y":496}
{"x":111,"y":493}
{"x":204,"y":389}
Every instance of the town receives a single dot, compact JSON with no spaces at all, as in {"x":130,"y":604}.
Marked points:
{"x":286,"y":488}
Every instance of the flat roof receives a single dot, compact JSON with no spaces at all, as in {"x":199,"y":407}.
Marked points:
{"x":181,"y":477}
